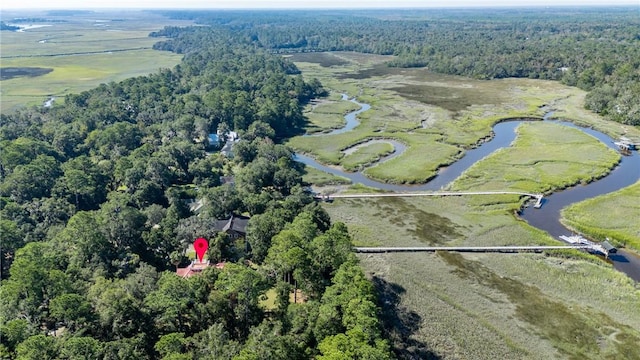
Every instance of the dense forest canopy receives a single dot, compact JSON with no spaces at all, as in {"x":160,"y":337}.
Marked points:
{"x":596,"y":49}
{"x":98,"y":200}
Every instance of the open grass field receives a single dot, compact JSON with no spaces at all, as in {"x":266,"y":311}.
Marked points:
{"x":83,"y":51}
{"x":481,"y":306}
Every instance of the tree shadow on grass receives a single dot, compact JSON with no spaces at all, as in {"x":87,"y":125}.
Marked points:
{"x":400,"y":323}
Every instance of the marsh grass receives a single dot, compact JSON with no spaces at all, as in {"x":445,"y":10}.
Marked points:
{"x":327,"y":116}
{"x":436,"y":133}
{"x":321,"y":178}
{"x":561,"y":304}
{"x":578,"y":332}
{"x":419,"y":163}
{"x":319,"y":123}
{"x":481,"y":306}
{"x":340,"y":107}
{"x":74,"y":70}
{"x":75,"y":74}
{"x":322,"y":59}
{"x":447,"y":97}
{"x":366,"y":155}
{"x":543,"y":158}
{"x":614,"y":215}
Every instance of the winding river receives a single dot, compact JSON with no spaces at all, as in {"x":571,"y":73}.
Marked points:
{"x":547,"y":218}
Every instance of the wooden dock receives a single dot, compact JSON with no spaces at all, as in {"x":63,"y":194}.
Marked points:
{"x":592,"y":247}
{"x":539,"y":197}
{"x":626,"y":145}
{"x":538,"y":204}
{"x":499,"y":249}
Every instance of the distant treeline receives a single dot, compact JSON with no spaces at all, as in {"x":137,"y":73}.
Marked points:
{"x":69,"y":12}
{"x":36,"y":20}
{"x":596,"y":49}
{"x":5,"y":26}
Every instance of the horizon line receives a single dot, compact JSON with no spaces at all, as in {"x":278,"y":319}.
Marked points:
{"x":457,"y":7}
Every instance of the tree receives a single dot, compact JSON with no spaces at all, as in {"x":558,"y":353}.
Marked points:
{"x":214,"y":343}
{"x":114,"y":141}
{"x":161,"y":239}
{"x":181,"y":154}
{"x":266,"y":341}
{"x":32,"y":284}
{"x":12,"y":239}
{"x":260,"y":229}
{"x":37,"y":347}
{"x":120,"y":314}
{"x":172,"y":305}
{"x":142,"y":282}
{"x":21,"y":151}
{"x":84,"y":180}
{"x":289,"y":254}
{"x":33,"y":180}
{"x":195,"y":227}
{"x":49,"y":216}
{"x":348,"y":284}
{"x":14,"y":332}
{"x":81,"y":348}
{"x":599,"y":100}
{"x":222,"y":201}
{"x":122,"y":224}
{"x":331,"y":249}
{"x":256,"y":175}
{"x":169,"y":344}
{"x":73,"y":310}
{"x":206,"y":171}
{"x":258,"y":130}
{"x":243,"y":287}
{"x":133,"y":348}
{"x":353,"y":345}
{"x":85,"y":245}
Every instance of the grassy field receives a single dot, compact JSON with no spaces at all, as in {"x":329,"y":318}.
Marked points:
{"x":480,"y":306}
{"x":84,"y":51}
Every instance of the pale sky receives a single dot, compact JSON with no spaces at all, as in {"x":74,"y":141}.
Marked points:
{"x":256,"y":4}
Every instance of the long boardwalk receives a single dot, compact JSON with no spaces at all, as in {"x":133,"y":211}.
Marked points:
{"x":538,"y":197}
{"x":503,"y":249}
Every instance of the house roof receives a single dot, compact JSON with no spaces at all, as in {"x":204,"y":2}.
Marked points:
{"x":235,"y":223}
{"x":227,"y":180}
{"x":196,"y":268}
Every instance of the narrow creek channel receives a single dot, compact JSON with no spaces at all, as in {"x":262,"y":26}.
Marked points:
{"x":547,"y":218}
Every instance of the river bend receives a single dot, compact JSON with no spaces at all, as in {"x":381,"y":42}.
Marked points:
{"x":548,"y":218}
